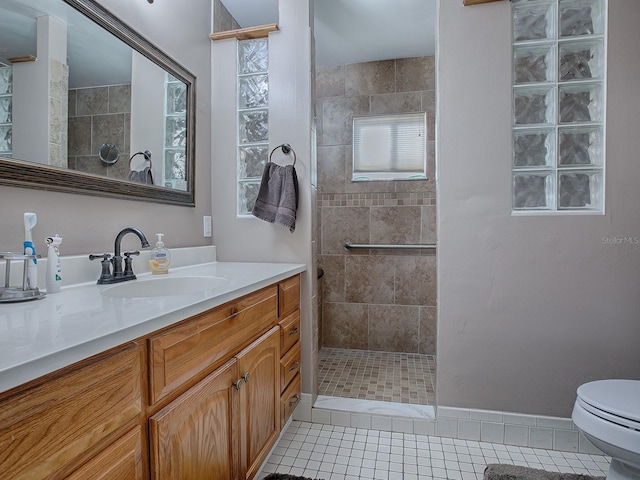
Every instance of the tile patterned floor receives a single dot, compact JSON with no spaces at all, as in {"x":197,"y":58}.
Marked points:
{"x":391,"y":377}
{"x":340,"y":453}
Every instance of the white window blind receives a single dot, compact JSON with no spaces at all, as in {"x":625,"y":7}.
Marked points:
{"x":390,"y":147}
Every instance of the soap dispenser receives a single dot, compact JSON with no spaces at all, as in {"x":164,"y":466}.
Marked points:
{"x":160,"y":257}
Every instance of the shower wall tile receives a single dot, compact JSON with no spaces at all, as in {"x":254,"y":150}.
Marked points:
{"x":91,"y":164}
{"x":80,"y":136}
{"x":395,"y":225}
{"x":393,"y":103}
{"x":73,"y":95}
{"x":343,"y":223}
{"x":429,"y":225}
{"x":333,"y":279}
{"x":375,"y":212}
{"x":369,"y":279}
{"x":93,"y":101}
{"x":337,"y":118}
{"x":107,"y":129}
{"x":415,"y":281}
{"x":120,"y":169}
{"x":330,"y":82}
{"x":120,"y":99}
{"x":413,"y":74}
{"x":370,"y":78}
{"x":345,"y":325}
{"x":332,"y":169}
{"x":428,"y":330}
{"x":87,"y":131}
{"x":393,"y":328}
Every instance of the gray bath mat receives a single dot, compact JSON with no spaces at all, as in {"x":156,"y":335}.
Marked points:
{"x":284,"y":476}
{"x":496,"y":471}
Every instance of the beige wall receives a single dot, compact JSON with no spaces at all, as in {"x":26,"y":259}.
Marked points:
{"x":90,"y":224}
{"x":530,"y":307}
{"x":290,"y":121}
{"x":375,"y":300}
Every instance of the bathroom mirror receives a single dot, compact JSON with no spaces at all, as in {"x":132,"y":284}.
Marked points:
{"x":74,"y":77}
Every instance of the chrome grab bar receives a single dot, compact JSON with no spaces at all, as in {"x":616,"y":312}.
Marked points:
{"x":413,"y":246}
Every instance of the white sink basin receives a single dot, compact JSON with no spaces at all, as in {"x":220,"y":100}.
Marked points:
{"x":163,"y":287}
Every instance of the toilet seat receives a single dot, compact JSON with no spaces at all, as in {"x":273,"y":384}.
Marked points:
{"x":617,"y":401}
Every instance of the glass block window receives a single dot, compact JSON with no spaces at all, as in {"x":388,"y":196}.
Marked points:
{"x":6,"y":108}
{"x":559,"y":72}
{"x":390,"y":147}
{"x":253,"y":119}
{"x":175,"y":134}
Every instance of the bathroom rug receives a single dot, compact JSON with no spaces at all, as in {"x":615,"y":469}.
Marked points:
{"x":284,"y":476}
{"x":497,"y":471}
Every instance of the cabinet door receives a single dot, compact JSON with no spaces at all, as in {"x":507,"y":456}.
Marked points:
{"x":196,"y":435}
{"x":259,"y":365}
{"x":120,"y":461}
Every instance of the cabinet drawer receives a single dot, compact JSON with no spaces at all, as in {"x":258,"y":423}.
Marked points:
{"x":289,"y":366}
{"x":289,"y":400}
{"x":178,"y":355}
{"x":44,"y":429}
{"x":289,"y":332}
{"x":288,"y":296}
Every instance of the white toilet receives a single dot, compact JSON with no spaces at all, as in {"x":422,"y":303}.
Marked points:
{"x":607,"y":412}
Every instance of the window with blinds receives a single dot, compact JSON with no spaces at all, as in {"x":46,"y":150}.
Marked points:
{"x":390,"y":147}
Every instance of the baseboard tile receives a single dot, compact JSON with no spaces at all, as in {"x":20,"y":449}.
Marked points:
{"x":533,"y":431}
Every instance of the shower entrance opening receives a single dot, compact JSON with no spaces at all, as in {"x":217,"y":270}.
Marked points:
{"x":383,"y":376}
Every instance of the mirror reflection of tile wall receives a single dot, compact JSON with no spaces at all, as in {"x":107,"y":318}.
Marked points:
{"x":375,"y":300}
{"x":99,"y":115}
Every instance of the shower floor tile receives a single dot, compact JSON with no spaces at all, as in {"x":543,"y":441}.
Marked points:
{"x":386,"y":376}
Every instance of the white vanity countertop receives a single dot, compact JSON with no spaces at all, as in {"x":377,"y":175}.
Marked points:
{"x":40,"y":336}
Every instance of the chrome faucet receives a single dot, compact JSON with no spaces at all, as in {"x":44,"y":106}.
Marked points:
{"x":117,"y":275}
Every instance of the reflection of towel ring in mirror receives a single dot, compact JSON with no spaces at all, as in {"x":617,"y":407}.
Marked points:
{"x":109,"y":153}
{"x":286,"y":149}
{"x":147,"y":158}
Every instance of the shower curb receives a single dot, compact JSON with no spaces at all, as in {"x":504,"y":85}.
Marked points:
{"x":506,"y":428}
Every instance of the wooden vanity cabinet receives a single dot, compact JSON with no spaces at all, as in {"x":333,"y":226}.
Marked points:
{"x":197,"y":434}
{"x":200,"y":399}
{"x":259,"y":366}
{"x":289,"y":314}
{"x":50,"y":427}
{"x":120,"y":461}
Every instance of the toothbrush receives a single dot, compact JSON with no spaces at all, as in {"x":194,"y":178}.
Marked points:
{"x":30,"y":220}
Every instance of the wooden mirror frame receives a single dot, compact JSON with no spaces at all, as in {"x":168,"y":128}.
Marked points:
{"x":477,"y":2}
{"x":19,"y":173}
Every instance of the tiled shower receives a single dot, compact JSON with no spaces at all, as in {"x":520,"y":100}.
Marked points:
{"x":378,"y":322}
{"x":99,"y":115}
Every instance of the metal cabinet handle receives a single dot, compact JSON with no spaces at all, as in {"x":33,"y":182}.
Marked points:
{"x":245,"y":377}
{"x":238,"y":384}
{"x":295,"y":366}
{"x":295,"y":400}
{"x":293,"y":331}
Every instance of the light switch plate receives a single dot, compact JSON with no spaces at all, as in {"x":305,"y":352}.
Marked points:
{"x":206,"y":221}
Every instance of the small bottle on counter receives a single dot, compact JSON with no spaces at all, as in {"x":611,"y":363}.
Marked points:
{"x":54,"y":266}
{"x":160,"y":257}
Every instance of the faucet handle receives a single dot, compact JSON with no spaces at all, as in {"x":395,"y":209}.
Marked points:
{"x":128,"y":269}
{"x":103,"y":256}
{"x":105,"y":275}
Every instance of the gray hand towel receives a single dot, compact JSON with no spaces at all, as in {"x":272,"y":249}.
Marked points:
{"x":277,"y":200}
